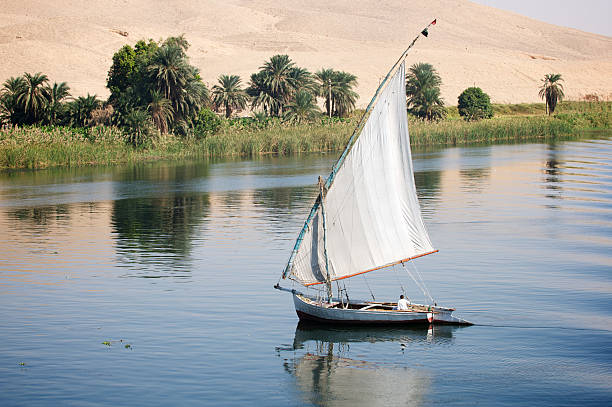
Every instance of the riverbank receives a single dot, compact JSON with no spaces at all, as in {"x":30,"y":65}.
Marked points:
{"x":40,"y":147}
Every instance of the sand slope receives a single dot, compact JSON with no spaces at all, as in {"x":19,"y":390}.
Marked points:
{"x":504,"y":53}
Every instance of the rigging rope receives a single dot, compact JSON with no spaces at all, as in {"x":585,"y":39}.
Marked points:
{"x":398,"y":280}
{"x":422,"y":281}
{"x":368,"y":285}
{"x":420,"y":284}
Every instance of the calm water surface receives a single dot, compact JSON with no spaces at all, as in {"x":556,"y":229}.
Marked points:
{"x":178,"y":262}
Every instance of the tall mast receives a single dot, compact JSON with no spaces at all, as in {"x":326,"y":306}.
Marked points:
{"x":327,"y":276}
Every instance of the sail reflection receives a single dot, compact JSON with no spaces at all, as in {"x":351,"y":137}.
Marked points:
{"x":329,"y":373}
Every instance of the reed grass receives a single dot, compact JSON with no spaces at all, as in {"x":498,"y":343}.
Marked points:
{"x":492,"y":130}
{"x":39,"y":147}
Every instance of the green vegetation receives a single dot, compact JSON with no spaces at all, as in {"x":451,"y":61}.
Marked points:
{"x":303,"y":109}
{"x":474,"y":104}
{"x":276,"y":84}
{"x":552,"y":91}
{"x":155,"y":82}
{"x":159,"y":108}
{"x":423,"y":92}
{"x":43,"y":146}
{"x":228,"y":95}
{"x":336,"y":87}
{"x":493,"y":130}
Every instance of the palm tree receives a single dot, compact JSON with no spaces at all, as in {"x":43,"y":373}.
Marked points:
{"x":343,"y":97}
{"x":9,"y":107}
{"x":303,"y":108}
{"x":276,"y":84}
{"x":229,"y":95}
{"x":278,"y":76}
{"x":193,"y":98}
{"x":324,"y":80}
{"x":261,"y":94}
{"x":423,"y":92}
{"x":180,"y":42}
{"x":169,"y":70}
{"x":161,"y":111}
{"x":57,"y":93}
{"x":137,"y":125}
{"x":81,"y":108}
{"x":302,"y":79}
{"x":337,"y":89}
{"x":178,"y":82}
{"x":34,"y":96}
{"x":552,"y":91}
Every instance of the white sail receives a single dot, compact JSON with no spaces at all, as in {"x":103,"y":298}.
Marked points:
{"x":372,"y":212}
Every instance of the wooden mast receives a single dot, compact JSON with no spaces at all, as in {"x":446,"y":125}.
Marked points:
{"x":327,"y":276}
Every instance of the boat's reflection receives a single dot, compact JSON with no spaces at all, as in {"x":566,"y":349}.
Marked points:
{"x":347,"y":334}
{"x":328,"y":372}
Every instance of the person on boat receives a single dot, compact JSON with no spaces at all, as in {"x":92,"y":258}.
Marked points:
{"x":403,"y":304}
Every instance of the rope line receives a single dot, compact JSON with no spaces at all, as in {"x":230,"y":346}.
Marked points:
{"x":368,"y":285}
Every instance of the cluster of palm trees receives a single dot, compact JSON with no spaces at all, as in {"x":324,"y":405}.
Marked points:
{"x":157,"y":79}
{"x":31,"y":99}
{"x":154,"y":85}
{"x":282,"y":89}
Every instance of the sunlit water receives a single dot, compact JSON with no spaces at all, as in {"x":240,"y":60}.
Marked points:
{"x":172,"y":266}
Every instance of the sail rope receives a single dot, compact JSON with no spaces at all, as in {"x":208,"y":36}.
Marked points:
{"x":418,"y":281}
{"x":422,"y":280}
{"x":399,"y":280}
{"x":368,"y":285}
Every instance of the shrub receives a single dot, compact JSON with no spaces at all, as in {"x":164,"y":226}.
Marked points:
{"x":474,"y":104}
{"x":206,"y":123}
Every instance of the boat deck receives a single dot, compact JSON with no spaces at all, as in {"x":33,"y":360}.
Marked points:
{"x":376,"y":306}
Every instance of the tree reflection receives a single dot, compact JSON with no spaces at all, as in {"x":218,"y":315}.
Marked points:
{"x":281,"y":203}
{"x":45,"y":219}
{"x":164,"y":224}
{"x":552,"y":174}
{"x":40,"y":216}
{"x":158,"y":216}
{"x":428,"y":188}
{"x":474,"y":179}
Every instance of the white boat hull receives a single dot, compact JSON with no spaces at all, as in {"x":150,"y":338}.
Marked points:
{"x":366,"y":313}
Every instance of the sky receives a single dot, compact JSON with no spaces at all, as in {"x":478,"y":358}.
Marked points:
{"x":587,"y":15}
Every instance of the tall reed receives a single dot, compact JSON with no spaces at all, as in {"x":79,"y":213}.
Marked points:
{"x":38,"y":147}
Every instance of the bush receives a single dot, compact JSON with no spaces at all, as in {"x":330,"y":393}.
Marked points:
{"x":474,"y":104}
{"x":206,"y":123}
{"x":138,"y":128}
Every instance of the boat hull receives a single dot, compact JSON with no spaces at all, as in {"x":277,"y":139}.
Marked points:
{"x":311,"y":310}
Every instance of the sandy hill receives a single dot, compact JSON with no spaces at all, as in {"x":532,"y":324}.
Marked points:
{"x":504,"y":53}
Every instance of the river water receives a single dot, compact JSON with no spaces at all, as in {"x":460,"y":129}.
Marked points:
{"x":152,"y":284}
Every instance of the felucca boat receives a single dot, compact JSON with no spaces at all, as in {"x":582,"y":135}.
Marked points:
{"x":366,"y":217}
